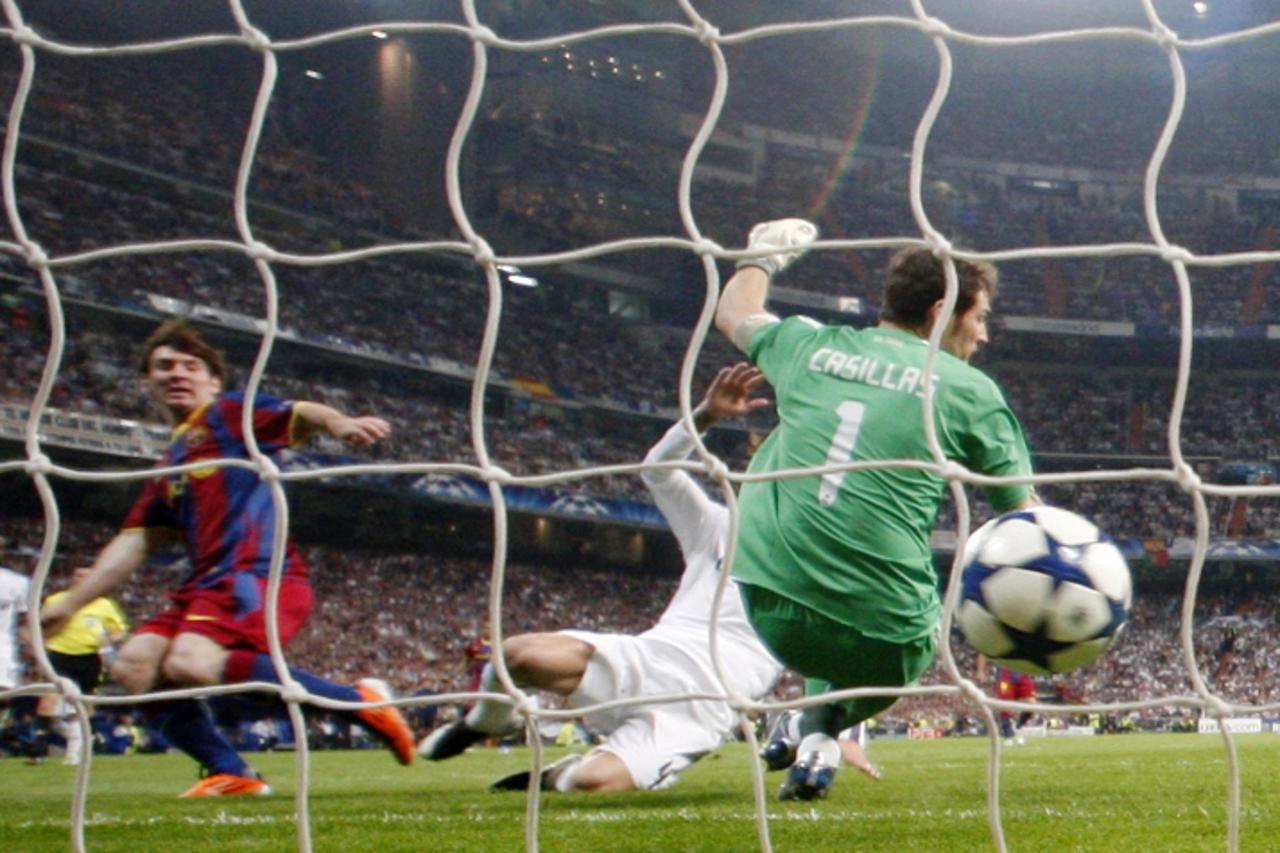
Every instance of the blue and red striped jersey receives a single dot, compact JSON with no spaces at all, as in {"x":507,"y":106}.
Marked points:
{"x":224,"y":514}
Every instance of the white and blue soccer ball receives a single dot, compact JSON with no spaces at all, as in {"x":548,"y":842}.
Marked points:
{"x":1043,"y":591}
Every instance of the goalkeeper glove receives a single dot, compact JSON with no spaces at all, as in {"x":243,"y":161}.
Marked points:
{"x":791,"y":236}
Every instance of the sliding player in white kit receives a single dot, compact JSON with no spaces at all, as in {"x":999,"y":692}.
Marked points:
{"x":647,"y":746}
{"x":14,"y":589}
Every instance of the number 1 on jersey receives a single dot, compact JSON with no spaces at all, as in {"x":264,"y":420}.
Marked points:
{"x":841,"y":450}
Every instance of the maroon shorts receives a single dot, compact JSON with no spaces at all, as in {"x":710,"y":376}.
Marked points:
{"x":232,"y":613}
{"x":1017,"y":687}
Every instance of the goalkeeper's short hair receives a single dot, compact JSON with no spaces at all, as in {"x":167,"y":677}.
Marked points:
{"x":917,"y":279}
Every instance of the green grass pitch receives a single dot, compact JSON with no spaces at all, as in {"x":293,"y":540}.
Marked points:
{"x":1115,"y":793}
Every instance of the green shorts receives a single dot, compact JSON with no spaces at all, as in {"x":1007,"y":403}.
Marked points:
{"x":834,"y":656}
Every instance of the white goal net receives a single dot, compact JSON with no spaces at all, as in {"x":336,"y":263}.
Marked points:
{"x":698,"y":25}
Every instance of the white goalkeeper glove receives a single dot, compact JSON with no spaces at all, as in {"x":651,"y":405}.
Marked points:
{"x":792,"y":236}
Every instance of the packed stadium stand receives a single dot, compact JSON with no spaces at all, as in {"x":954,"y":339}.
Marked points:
{"x":587,"y":363}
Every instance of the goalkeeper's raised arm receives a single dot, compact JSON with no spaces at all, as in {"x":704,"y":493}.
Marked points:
{"x":742,"y":303}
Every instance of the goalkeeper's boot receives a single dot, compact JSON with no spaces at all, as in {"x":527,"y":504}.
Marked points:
{"x":386,"y":722}
{"x":550,"y":775}
{"x":228,"y":785}
{"x":449,"y":740}
{"x":810,"y":778}
{"x":779,"y":752}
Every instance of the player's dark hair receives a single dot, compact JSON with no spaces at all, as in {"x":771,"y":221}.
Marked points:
{"x":917,"y":279}
{"x":181,"y":337}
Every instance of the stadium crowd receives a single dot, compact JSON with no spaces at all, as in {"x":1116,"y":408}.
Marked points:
{"x":182,"y":137}
{"x":408,"y":618}
{"x":178,"y":140}
{"x":1067,"y":415}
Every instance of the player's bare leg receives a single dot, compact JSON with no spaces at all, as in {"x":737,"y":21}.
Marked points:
{"x":599,"y":771}
{"x":137,"y":667}
{"x":194,"y":660}
{"x":552,"y":662}
{"x":852,"y":753}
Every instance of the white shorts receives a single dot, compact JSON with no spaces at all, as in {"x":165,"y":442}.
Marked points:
{"x":10,"y":674}
{"x":656,"y":742}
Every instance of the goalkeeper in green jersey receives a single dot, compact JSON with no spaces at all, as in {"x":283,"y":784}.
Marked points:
{"x":836,"y":570}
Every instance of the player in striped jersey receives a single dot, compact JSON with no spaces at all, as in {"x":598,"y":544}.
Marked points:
{"x":214,"y":631}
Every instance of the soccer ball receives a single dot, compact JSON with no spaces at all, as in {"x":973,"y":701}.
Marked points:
{"x":1043,"y":590}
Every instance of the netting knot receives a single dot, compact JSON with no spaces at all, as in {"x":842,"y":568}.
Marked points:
{"x":972,"y":692}
{"x":707,"y":34}
{"x":482,"y":251}
{"x":1188,"y":479}
{"x":260,"y":251}
{"x":1170,"y":254}
{"x":1217,"y":707}
{"x":935,"y":27}
{"x":524,"y":706}
{"x":256,"y":38}
{"x":22,"y":34}
{"x":717,"y":470}
{"x":268,"y":470}
{"x":498,"y":474}
{"x":293,"y":693}
{"x":1166,"y":37}
{"x":950,"y":470}
{"x":35,"y":255}
{"x":485,"y":35}
{"x":38,"y":464}
{"x":940,"y":246}
{"x":68,"y":689}
{"x":708,"y":247}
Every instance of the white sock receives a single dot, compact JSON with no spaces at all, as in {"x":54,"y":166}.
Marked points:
{"x":69,"y":728}
{"x":490,"y":717}
{"x":598,"y":684}
{"x":823,"y":744}
{"x":856,"y":733}
{"x":791,"y":727}
{"x":563,"y":775}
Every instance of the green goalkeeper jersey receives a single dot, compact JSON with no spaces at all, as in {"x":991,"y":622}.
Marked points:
{"x":854,"y":545}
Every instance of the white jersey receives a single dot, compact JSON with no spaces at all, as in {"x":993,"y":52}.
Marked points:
{"x":658,"y":742}
{"x":701,"y":526}
{"x":13,"y":604}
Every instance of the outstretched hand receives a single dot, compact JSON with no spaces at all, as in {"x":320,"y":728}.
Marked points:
{"x":730,"y":393}
{"x":360,"y":431}
{"x":789,"y":238}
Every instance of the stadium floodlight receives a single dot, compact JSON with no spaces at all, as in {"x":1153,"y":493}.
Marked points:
{"x":379,"y":34}
{"x":313,"y":74}
{"x":1200,"y":7}
{"x":523,"y":280}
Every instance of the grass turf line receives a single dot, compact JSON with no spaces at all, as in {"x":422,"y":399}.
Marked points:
{"x":1148,"y":792}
